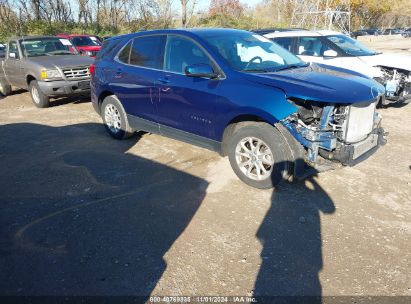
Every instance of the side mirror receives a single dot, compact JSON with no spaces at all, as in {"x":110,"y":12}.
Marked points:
{"x":330,"y":53}
{"x":12,"y":55}
{"x":200,"y":70}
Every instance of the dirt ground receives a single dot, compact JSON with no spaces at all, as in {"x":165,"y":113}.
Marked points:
{"x":83,"y":214}
{"x":391,"y":44}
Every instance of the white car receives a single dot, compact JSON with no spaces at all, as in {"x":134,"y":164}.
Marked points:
{"x":336,"y":49}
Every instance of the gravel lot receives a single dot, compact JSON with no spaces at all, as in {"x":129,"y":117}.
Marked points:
{"x":83,"y":214}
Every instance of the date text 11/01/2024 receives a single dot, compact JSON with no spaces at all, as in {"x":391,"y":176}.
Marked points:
{"x":202,"y":299}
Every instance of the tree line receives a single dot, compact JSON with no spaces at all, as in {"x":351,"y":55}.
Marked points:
{"x":111,"y":17}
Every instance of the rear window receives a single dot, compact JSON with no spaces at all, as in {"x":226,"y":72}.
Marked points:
{"x":124,"y":55}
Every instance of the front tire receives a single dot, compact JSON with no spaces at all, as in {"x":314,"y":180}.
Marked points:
{"x":115,"y":118}
{"x":5,"y":88}
{"x":257,"y":154}
{"x":39,"y":99}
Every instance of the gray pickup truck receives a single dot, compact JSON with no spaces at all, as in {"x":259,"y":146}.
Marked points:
{"x":46,"y":66}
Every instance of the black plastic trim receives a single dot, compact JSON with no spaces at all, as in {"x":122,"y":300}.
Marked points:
{"x":142,"y":124}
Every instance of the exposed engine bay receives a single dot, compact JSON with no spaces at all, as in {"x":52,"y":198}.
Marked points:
{"x":335,"y":132}
{"x":397,"y":84}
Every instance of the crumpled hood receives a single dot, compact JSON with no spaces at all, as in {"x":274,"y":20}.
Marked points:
{"x":388,"y":60}
{"x":62,"y":61}
{"x":322,"y":83}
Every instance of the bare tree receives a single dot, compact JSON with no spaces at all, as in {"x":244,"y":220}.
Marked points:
{"x":185,"y":11}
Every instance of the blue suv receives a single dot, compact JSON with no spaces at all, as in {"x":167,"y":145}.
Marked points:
{"x":239,"y":94}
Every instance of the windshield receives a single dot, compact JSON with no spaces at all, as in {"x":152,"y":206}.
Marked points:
{"x":350,"y":46}
{"x":85,"y":41}
{"x":248,"y":52}
{"x":47,"y":47}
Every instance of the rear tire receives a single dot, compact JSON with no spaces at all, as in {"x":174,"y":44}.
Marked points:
{"x":257,"y":154}
{"x":39,"y":99}
{"x":115,"y":118}
{"x":5,"y":88}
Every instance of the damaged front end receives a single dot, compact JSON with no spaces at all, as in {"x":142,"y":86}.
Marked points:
{"x":335,"y":133}
{"x":397,"y":84}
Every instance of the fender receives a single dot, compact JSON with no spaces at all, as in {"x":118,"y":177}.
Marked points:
{"x":271,"y":112}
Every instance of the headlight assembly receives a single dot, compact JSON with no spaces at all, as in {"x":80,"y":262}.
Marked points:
{"x":51,"y":74}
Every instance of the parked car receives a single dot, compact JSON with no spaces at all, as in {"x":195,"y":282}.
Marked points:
{"x":406,"y":33}
{"x":373,"y":32}
{"x":392,"y":32}
{"x":46,"y":66}
{"x":240,"y":94}
{"x":358,"y":33}
{"x":336,"y":49}
{"x":2,"y":50}
{"x":87,"y":45}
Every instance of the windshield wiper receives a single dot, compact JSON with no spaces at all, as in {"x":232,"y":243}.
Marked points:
{"x":293,"y":66}
{"x":255,"y":70}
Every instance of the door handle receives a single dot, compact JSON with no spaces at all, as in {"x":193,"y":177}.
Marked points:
{"x":164,"y":80}
{"x":119,"y":72}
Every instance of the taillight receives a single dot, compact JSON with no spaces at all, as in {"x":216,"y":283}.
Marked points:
{"x":92,"y":69}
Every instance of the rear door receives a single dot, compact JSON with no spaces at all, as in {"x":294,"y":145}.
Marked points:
{"x":134,"y":79}
{"x":12,"y":65}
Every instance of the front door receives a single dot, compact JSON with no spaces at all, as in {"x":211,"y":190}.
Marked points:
{"x":13,"y":67}
{"x":311,"y":49}
{"x":186,"y":103}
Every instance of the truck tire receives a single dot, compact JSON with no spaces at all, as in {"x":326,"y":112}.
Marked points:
{"x":5,"y":88}
{"x":257,"y":154}
{"x":37,"y":96}
{"x":115,"y":118}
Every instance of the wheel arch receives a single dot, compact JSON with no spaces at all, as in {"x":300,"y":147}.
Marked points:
{"x":30,"y":78}
{"x":103,"y":95}
{"x":238,"y":121}
{"x":295,"y":151}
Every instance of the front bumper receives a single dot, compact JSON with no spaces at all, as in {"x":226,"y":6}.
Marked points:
{"x":64,"y":87}
{"x":325,"y":147}
{"x":395,"y":92}
{"x":351,"y":154}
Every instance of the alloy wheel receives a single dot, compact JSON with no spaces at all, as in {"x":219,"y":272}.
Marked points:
{"x":112,"y":118}
{"x":254,"y":158}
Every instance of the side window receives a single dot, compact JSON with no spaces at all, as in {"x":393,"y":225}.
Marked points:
{"x":285,"y":42}
{"x":124,"y":55}
{"x":182,"y":52}
{"x":311,"y":46}
{"x":147,"y":51}
{"x":13,"y":50}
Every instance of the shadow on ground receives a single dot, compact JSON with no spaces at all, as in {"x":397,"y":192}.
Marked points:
{"x":80,"y":216}
{"x":292,"y":245}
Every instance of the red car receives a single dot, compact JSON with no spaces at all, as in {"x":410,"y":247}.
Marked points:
{"x":86,"y":45}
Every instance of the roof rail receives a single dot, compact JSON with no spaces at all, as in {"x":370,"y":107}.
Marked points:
{"x":272,"y":30}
